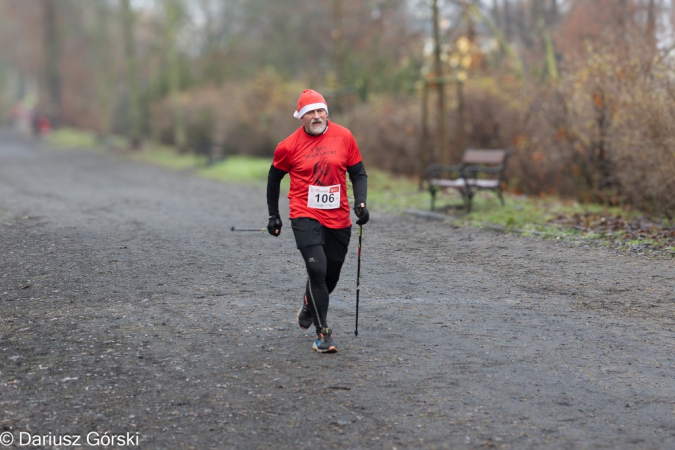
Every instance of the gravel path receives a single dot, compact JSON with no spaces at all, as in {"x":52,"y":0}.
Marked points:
{"x":130,"y":309}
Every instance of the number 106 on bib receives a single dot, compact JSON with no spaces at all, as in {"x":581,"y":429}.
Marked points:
{"x":324,"y":197}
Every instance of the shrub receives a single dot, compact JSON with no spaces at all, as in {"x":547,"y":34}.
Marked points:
{"x":605,"y":132}
{"x":247,"y":118}
{"x":387,"y":132}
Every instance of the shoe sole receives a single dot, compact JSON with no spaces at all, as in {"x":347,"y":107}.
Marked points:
{"x":297,"y":319}
{"x":331,"y":349}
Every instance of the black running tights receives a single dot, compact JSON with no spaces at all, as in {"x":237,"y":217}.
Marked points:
{"x":323,"y":275}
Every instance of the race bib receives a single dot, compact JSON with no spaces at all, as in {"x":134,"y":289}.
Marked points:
{"x":324,"y":197}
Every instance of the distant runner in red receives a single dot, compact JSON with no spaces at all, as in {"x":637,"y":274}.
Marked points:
{"x":317,"y":156}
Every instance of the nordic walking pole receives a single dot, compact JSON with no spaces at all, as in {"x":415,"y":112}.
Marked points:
{"x":358,"y":279}
{"x":248,"y":229}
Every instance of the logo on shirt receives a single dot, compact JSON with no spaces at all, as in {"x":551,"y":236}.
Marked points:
{"x":316,"y":152}
{"x":322,"y":175}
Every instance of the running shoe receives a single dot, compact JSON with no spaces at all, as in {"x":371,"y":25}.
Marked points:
{"x":304,"y":316}
{"x":324,"y":342}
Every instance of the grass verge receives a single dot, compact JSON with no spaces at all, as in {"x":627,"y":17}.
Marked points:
{"x":67,"y":138}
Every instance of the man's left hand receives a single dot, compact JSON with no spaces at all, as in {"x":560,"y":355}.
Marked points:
{"x":274,"y":225}
{"x":362,"y":213}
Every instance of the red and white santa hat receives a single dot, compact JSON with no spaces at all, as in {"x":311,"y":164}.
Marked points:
{"x":309,"y":101}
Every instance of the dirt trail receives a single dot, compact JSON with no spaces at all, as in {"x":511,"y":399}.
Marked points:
{"x":130,"y":308}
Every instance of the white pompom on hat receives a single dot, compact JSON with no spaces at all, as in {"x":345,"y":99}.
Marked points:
{"x":309,"y":101}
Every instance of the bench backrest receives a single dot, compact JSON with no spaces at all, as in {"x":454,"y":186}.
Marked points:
{"x":474,"y":156}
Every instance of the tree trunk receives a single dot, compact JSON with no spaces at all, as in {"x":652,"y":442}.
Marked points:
{"x":496,"y":15}
{"x":133,"y":125}
{"x":622,"y":28}
{"x":52,"y":57}
{"x":651,"y":26}
{"x":540,"y":21}
{"x":508,"y":22}
{"x":553,"y":12}
{"x":426,"y":154}
{"x":173,"y":12}
{"x":460,"y":116}
{"x":536,"y":11}
{"x":338,"y":43}
{"x":551,"y":62}
{"x":442,"y":152}
{"x":104,"y":82}
{"x":501,"y":39}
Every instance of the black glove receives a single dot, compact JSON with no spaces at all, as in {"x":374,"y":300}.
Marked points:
{"x":274,"y":225}
{"x":362,"y":213}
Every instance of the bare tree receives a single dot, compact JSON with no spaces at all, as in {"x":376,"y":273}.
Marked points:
{"x":443,"y":150}
{"x":52,"y":55}
{"x":174,"y":14}
{"x":103,"y":76}
{"x":133,"y":126}
{"x":651,"y":25}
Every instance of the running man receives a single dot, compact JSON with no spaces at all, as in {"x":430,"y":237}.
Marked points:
{"x":317,"y":156}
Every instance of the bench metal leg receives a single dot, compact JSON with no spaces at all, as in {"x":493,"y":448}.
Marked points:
{"x":501,"y":197}
{"x":467,"y":195}
{"x":433,"y":191}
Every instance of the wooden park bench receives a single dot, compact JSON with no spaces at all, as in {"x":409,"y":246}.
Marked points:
{"x":479,"y":169}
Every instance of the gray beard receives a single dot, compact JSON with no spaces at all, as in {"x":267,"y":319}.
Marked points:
{"x":317,"y":129}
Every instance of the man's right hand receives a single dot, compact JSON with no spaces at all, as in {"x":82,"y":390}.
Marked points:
{"x":274,"y":225}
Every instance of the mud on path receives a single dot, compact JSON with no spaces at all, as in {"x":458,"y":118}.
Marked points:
{"x":130,"y":308}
